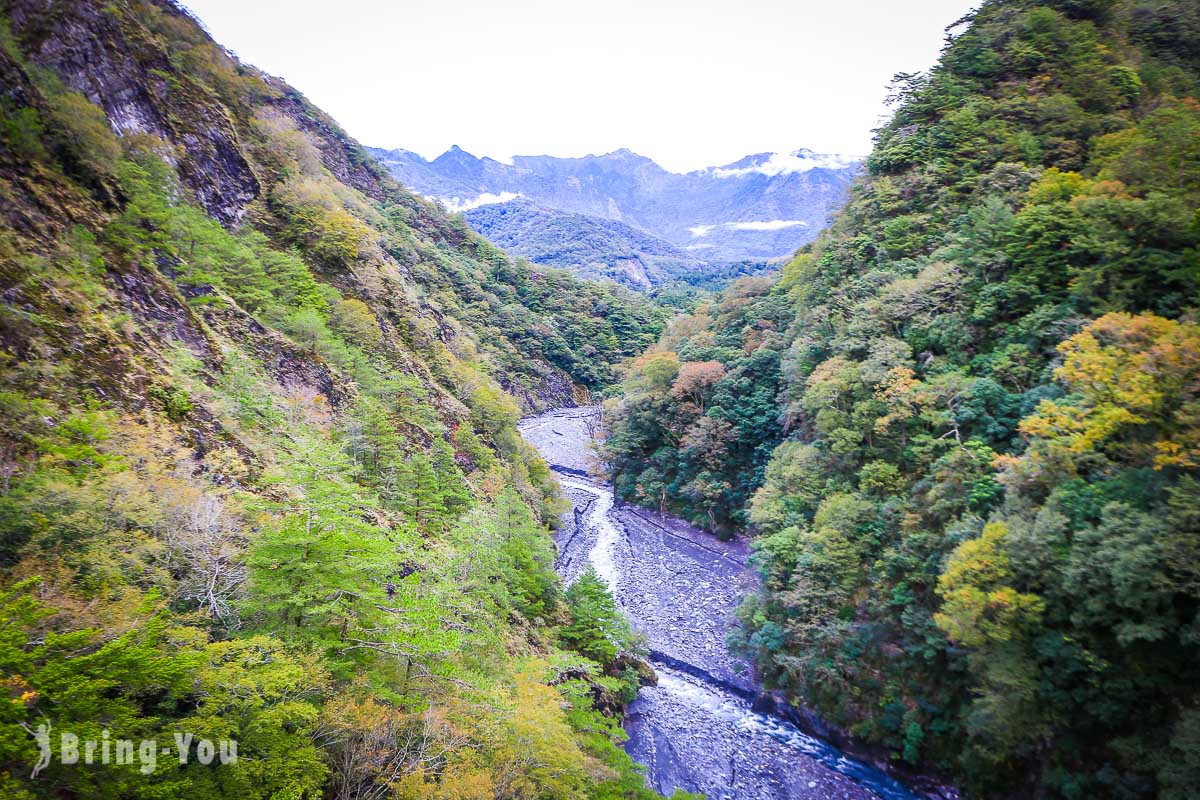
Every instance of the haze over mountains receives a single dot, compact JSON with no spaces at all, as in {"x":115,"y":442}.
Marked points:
{"x":622,"y":216}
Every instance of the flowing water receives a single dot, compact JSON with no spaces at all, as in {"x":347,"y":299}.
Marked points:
{"x":696,"y":730}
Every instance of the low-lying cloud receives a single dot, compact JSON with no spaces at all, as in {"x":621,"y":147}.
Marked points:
{"x":700,"y":231}
{"x":457,"y":205}
{"x":788,"y":163}
{"x":767,"y":225}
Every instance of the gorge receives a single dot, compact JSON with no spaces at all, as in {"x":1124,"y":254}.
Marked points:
{"x":697,"y":728}
{"x":293,"y":456}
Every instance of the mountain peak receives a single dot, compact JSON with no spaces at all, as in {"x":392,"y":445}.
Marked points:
{"x":455,"y":152}
{"x":626,"y":155}
{"x":775,"y":164}
{"x":760,"y":207}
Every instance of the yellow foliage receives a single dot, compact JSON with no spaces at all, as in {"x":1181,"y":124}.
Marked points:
{"x":798,"y":273}
{"x":1126,"y":371}
{"x":1054,"y":185}
{"x":897,"y":391}
{"x":318,"y":217}
{"x":356,"y":322}
{"x":977,"y":606}
{"x":1079,"y":429}
{"x":543,"y":757}
{"x":831,"y":384}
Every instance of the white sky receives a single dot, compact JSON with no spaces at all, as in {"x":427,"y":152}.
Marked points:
{"x":689,"y":84}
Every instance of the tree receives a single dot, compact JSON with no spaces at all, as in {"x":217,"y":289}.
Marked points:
{"x":1128,"y":375}
{"x":695,"y":380}
{"x":984,"y":612}
{"x":353,"y":319}
{"x":255,"y":692}
{"x":978,"y":605}
{"x":88,"y":681}
{"x":535,"y":754}
{"x":316,"y":580}
{"x":597,"y":629}
{"x":653,"y":373}
{"x":317,"y":570}
{"x":207,"y":547}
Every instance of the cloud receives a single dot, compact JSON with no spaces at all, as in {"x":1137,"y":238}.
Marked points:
{"x":768,"y":225}
{"x":457,"y":205}
{"x":700,"y":231}
{"x":788,"y":163}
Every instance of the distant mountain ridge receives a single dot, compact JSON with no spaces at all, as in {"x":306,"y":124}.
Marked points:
{"x":760,"y":207}
{"x":591,"y":246}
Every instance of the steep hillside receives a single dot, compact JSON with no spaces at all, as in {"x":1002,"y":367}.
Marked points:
{"x":260,"y":477}
{"x":761,"y":207}
{"x":964,"y":428}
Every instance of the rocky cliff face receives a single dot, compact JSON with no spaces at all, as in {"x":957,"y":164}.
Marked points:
{"x":123,"y":69}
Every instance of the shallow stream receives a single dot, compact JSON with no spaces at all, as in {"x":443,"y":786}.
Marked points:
{"x":695,"y":730}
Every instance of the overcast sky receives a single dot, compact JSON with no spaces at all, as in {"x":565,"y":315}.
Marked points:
{"x":690,"y":84}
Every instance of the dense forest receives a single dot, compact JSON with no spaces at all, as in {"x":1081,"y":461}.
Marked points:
{"x":963,"y":428}
{"x":260,"y":477}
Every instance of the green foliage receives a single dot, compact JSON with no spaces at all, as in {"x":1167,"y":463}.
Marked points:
{"x":317,"y":221}
{"x":268,"y":470}
{"x":697,"y":422}
{"x":173,"y":401}
{"x":510,"y":557}
{"x":145,"y":683}
{"x":597,"y":629}
{"x":581,"y":327}
{"x":80,"y":134}
{"x":969,"y":503}
{"x":22,"y":131}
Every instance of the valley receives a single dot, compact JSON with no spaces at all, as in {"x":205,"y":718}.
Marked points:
{"x":696,"y":729}
{"x":798,"y":478}
{"x":622,"y":217}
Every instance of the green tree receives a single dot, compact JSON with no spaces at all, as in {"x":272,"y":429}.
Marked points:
{"x":597,"y":628}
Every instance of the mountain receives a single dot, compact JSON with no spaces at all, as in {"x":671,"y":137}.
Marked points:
{"x":758,"y":208}
{"x":592,"y":247}
{"x":963,"y":427}
{"x":260,"y":476}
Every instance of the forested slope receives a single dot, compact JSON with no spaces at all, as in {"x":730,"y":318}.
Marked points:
{"x":260,"y":477}
{"x":964,"y":427}
{"x":591,"y":247}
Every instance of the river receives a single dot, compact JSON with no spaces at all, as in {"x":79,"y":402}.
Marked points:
{"x":696,"y":730}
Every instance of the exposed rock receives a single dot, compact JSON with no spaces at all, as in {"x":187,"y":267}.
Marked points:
{"x":120,"y":67}
{"x":700,"y":726}
{"x":645,"y":671}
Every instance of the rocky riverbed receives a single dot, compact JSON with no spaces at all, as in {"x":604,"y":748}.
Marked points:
{"x":696,"y":730}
